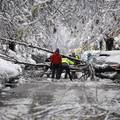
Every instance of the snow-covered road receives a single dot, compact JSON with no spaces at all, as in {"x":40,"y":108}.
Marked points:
{"x":61,"y":100}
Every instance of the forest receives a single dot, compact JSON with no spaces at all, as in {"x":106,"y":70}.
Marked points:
{"x":86,"y":32}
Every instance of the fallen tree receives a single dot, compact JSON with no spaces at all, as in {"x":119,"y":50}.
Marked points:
{"x":82,"y":66}
{"x":107,"y":71}
{"x":43,"y":49}
{"x":8,"y":58}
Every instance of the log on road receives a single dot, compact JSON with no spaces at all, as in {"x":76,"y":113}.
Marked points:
{"x":40,"y":48}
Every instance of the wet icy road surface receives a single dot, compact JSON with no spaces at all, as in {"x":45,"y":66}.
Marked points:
{"x":61,"y":100}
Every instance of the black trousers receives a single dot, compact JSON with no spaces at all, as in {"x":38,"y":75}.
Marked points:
{"x":66,"y":67}
{"x":56,"y":70}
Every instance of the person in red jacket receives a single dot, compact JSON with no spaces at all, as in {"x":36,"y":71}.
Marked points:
{"x":56,"y":61}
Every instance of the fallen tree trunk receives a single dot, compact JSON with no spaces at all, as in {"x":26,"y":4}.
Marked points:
{"x":43,"y":49}
{"x":105,"y":69}
{"x":80,"y":68}
{"x":8,"y":58}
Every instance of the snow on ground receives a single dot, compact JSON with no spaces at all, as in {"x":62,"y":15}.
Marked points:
{"x":63,"y":100}
{"x":113,"y":56}
{"x":16,"y":109}
{"x":8,"y":70}
{"x":22,"y":58}
{"x":77,"y":100}
{"x":108,"y":56}
{"x":115,"y":59}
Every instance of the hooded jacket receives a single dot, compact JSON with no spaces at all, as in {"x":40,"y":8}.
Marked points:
{"x":56,"y":58}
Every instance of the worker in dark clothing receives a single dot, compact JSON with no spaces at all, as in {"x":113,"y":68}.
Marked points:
{"x":56,"y":61}
{"x":12,"y":45}
{"x":65,"y":66}
{"x":109,"y":42}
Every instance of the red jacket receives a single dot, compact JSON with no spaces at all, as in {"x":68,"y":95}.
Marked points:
{"x":56,"y":58}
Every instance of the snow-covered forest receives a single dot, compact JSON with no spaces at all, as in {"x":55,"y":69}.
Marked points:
{"x":44,"y":22}
{"x":30,"y":30}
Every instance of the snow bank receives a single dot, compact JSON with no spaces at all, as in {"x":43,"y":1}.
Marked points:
{"x":8,"y":69}
{"x":103,"y":56}
{"x":22,"y":58}
{"x":115,"y":59}
{"x":112,"y":52}
{"x":110,"y":56}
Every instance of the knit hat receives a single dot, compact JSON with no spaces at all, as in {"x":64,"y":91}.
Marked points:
{"x":57,"y":50}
